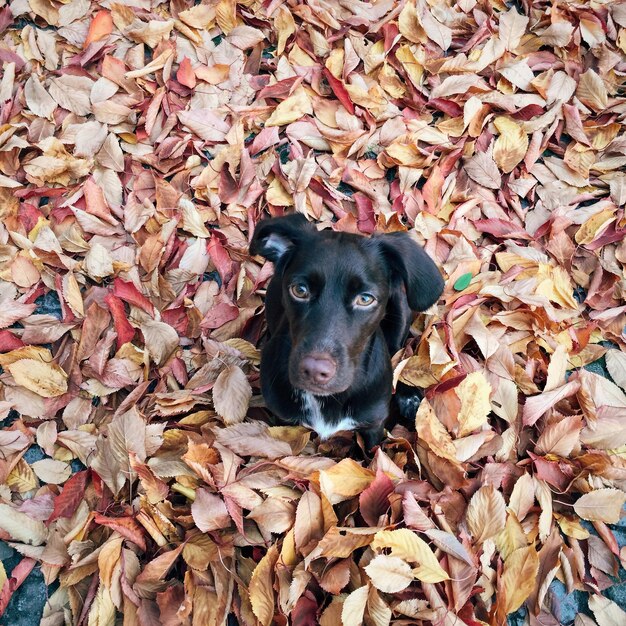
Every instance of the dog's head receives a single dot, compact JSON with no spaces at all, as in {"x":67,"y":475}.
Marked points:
{"x":335,"y":292}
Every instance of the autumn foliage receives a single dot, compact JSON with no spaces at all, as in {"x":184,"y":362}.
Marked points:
{"x":140,"y":142}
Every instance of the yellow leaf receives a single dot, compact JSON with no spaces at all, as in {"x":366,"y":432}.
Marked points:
{"x":277,"y":195}
{"x":3,"y":575}
{"x":413,"y":68}
{"x":518,"y":578}
{"x":108,"y":558}
{"x":249,"y":350}
{"x":226,"y":15}
{"x":285,"y":26}
{"x":511,"y":146}
{"x":580,"y":158}
{"x":593,"y":226}
{"x":21,"y":478}
{"x":572,"y":527}
{"x":390,"y":574}
{"x":474,"y":394}
{"x":46,"y":379}
{"x":291,"y":109}
{"x":555,"y":284}
{"x":345,"y":480}
{"x":409,"y":27}
{"x":27,"y":352}
{"x":433,"y":432}
{"x":592,"y":92}
{"x":486,"y":513}
{"x":102,"y":612}
{"x":406,"y":545}
{"x":72,"y":295}
{"x":261,"y":587}
{"x":511,"y":538}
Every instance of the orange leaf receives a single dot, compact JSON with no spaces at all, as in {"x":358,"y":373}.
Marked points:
{"x":185,"y":75}
{"x":101,"y":26}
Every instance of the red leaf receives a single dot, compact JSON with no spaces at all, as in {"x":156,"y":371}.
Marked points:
{"x":129,"y":293}
{"x":528,"y":112}
{"x":280,"y":89}
{"x":8,"y":341}
{"x":340,"y":91}
{"x":446,"y":106}
{"x":305,"y":611}
{"x":552,"y":472}
{"x":72,"y":494}
{"x":125,"y":332}
{"x":374,"y":501}
{"x":220,"y":257}
{"x":365,"y":210}
{"x":125,"y":526}
{"x":219,"y":315}
{"x":18,"y":576}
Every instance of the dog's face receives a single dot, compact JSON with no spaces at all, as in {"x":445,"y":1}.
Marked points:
{"x":334,"y":294}
{"x":335,"y":289}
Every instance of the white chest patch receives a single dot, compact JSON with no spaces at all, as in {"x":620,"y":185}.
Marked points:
{"x":314,"y":419}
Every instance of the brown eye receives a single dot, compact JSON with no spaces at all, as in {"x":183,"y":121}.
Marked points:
{"x":364,"y":300}
{"x":299,"y":291}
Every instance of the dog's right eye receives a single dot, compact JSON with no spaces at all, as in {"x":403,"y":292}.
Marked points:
{"x":299,"y":291}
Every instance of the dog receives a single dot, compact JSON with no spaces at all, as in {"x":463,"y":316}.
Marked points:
{"x":337,"y":306}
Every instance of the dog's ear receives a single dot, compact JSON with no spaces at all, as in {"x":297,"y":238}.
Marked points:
{"x":422,"y":280}
{"x":274,"y":237}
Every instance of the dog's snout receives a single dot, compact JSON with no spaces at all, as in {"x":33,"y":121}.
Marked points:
{"x":318,"y":368}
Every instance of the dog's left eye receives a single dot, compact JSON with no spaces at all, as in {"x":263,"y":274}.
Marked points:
{"x":299,"y":291}
{"x":364,"y":299}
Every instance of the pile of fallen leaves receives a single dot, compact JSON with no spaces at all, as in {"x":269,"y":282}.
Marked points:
{"x":141,"y":141}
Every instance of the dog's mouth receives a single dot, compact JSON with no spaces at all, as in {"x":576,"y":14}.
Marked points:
{"x":328,"y":389}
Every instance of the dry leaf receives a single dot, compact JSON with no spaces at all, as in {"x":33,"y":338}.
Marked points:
{"x":602,"y":505}
{"x":405,"y":544}
{"x":354,"y":607}
{"x":45,"y":379}
{"x":483,"y":169}
{"x":518,"y":577}
{"x":389,"y":573}
{"x":261,"y":592}
{"x":473,"y":393}
{"x":231,"y":395}
{"x":486,"y":513}
{"x":291,"y":109}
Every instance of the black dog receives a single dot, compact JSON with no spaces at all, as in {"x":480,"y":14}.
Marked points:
{"x":337,"y":307}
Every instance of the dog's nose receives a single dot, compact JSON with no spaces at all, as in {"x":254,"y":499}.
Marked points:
{"x":318,"y":368}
